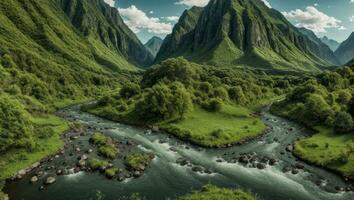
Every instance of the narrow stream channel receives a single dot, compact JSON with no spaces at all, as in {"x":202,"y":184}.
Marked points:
{"x":167,"y":179}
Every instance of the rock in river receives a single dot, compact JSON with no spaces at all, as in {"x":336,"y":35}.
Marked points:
{"x":34,"y":179}
{"x":50,"y":180}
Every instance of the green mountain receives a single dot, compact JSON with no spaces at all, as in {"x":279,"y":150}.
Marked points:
{"x":345,"y":51}
{"x":154,"y":45}
{"x":333,"y":45}
{"x":244,"y":33}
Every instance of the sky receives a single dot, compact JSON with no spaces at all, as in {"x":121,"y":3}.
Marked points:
{"x":148,"y":18}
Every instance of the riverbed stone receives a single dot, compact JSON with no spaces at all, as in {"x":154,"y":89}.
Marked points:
{"x":294,"y":171}
{"x":34,"y":179}
{"x":50,"y":180}
{"x":261,"y":166}
{"x":289,"y":148}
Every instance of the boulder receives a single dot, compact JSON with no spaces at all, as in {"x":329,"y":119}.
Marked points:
{"x":272,"y":161}
{"x":155,"y":129}
{"x":290,"y":148}
{"x":299,"y":166}
{"x":34,"y":179}
{"x":261,"y":166}
{"x":50,"y":180}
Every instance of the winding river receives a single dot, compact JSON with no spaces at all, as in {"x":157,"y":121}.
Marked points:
{"x":167,"y":179}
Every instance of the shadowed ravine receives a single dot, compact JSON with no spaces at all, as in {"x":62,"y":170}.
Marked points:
{"x":167,"y":179}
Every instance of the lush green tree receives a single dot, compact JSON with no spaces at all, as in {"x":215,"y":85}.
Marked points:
{"x":236,"y":94}
{"x":16,"y":129}
{"x":343,"y":122}
{"x":316,"y":109}
{"x":129,"y":90}
{"x":344,"y":97}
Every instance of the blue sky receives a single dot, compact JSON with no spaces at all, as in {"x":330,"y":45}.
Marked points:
{"x":147,"y":18}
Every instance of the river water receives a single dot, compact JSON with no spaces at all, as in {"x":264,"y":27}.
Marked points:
{"x":167,"y":179}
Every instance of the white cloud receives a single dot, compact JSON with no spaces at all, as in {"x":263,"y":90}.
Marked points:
{"x":137,"y":20}
{"x":110,"y":2}
{"x":171,"y":18}
{"x":313,"y":19}
{"x":266,"y":2}
{"x":351,"y":18}
{"x":351,"y":1}
{"x":200,"y":3}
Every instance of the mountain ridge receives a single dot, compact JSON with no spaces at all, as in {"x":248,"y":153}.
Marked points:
{"x":345,"y":51}
{"x":332,"y":44}
{"x":154,"y":45}
{"x":235,"y":32}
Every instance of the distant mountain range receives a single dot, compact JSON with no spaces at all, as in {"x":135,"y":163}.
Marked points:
{"x":345,"y":51}
{"x":154,"y":45}
{"x":245,"y":33}
{"x":333,"y":45}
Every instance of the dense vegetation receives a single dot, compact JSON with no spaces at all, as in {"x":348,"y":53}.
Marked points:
{"x":210,"y":192}
{"x":245,"y":33}
{"x":177,"y":95}
{"x":325,"y":103}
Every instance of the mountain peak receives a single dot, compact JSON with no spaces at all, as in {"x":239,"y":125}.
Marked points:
{"x":153,"y":45}
{"x":345,"y":51}
{"x":245,"y":32}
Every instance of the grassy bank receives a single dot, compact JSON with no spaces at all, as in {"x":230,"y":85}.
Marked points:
{"x":230,"y":125}
{"x":329,"y":150}
{"x":210,"y":192}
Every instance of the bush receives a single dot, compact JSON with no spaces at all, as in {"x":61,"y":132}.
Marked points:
{"x":98,"y":139}
{"x":108,"y":151}
{"x":96,"y":164}
{"x":138,"y":161}
{"x":213,"y":105}
{"x":343,"y":122}
{"x":130,"y":90}
{"x":112,"y":172}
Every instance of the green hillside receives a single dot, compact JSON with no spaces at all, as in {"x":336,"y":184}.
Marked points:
{"x":247,"y":33}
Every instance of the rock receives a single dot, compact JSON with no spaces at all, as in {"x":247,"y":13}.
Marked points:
{"x":182,"y":161}
{"x":41,"y":187}
{"x":294,"y":171}
{"x":40,"y":173}
{"x":243,"y":159}
{"x":261,"y":166}
{"x":197,"y":169}
{"x":21,"y":172}
{"x":173,"y":149}
{"x":290,"y":148}
{"x":34,"y":179}
{"x":137,"y":174}
{"x":83,"y":157}
{"x":338,"y":188}
{"x":50,"y":180}
{"x":60,"y":172}
{"x":155,"y":129}
{"x":286,"y":169}
{"x":77,"y":149}
{"x":162,"y":141}
{"x":56,"y":156}
{"x":272,"y":161}
{"x":121,"y":178}
{"x":35,"y":165}
{"x":219,"y":160}
{"x":299,"y":166}
{"x":348,"y":189}
{"x":89,"y":151}
{"x":6,"y":197}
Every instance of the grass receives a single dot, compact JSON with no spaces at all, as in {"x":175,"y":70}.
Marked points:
{"x":108,"y":151}
{"x":231,"y":125}
{"x":98,"y":139}
{"x":329,"y":150}
{"x":16,"y":159}
{"x":110,"y":173}
{"x":96,"y":164}
{"x":138,"y":161}
{"x":210,"y":192}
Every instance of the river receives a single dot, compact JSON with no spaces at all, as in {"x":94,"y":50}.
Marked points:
{"x":167,"y":179}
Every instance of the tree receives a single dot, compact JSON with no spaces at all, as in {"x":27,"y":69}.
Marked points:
{"x":343,"y":122}
{"x":236,"y":94}
{"x":344,"y":97}
{"x":129,"y":90}
{"x":316,"y":109}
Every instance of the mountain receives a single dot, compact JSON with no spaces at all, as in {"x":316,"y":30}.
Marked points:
{"x":333,"y":45}
{"x":345,"y":51}
{"x":154,"y":45}
{"x":57,"y":49}
{"x":244,"y":33}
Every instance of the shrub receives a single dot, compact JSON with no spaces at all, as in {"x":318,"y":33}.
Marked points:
{"x":343,"y":122}
{"x":108,"y":151}
{"x":138,"y":161}
{"x":129,"y":90}
{"x":112,"y":172}
{"x":213,"y":105}
{"x":98,"y":139}
{"x":96,"y":164}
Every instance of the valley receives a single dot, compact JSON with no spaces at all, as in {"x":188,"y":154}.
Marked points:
{"x":236,"y":102}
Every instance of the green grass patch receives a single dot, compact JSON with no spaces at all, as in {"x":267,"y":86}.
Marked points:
{"x":96,"y":164}
{"x":98,"y":139}
{"x":232,"y":124}
{"x":16,"y":159}
{"x":138,"y":161}
{"x":108,"y":151}
{"x":210,"y":192}
{"x":112,"y":172}
{"x":328,"y":149}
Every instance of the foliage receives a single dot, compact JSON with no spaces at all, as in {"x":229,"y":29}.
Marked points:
{"x":98,"y":139}
{"x":108,"y":151}
{"x":210,"y":192}
{"x":96,"y":164}
{"x":138,"y":161}
{"x":111,"y":172}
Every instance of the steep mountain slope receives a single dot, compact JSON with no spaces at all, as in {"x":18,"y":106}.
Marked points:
{"x":345,"y":51}
{"x":333,"y":45}
{"x":154,"y":45}
{"x":103,"y":26}
{"x":244,"y":33}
